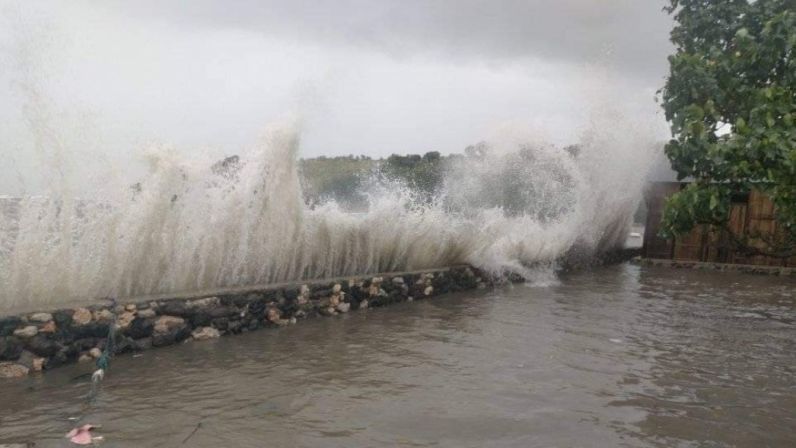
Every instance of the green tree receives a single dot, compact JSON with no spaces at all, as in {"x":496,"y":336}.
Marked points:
{"x":730,"y":98}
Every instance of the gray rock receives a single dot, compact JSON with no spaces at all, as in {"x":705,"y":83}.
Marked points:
{"x":149,"y":312}
{"x":91,"y":330}
{"x":203,"y":304}
{"x":168,"y":330}
{"x":143,"y":344}
{"x":234,"y":326}
{"x":221,"y":323}
{"x":40,"y":317}
{"x":343,"y":307}
{"x":26,"y":359}
{"x":81,"y":316}
{"x":10,"y":348}
{"x":175,"y":308}
{"x":63,"y":318}
{"x":42,"y":345}
{"x":140,"y":327}
{"x":26,"y":332}
{"x":104,"y":316}
{"x":205,"y":333}
{"x":12,"y":370}
{"x":9,"y":324}
{"x":224,"y":311}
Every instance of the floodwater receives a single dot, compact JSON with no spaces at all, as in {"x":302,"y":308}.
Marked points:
{"x":616,"y":356}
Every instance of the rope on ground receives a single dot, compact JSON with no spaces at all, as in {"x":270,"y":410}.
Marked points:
{"x":103,"y":363}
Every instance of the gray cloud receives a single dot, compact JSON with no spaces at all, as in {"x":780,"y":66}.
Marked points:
{"x":631,"y":35}
{"x":368,"y":76}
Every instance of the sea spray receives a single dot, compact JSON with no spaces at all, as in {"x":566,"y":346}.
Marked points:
{"x":190,"y":223}
{"x":193,"y":225}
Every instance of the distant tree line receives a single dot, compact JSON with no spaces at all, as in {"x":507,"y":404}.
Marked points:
{"x":344,"y":179}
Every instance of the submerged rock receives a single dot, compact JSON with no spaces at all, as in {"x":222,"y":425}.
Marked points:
{"x":12,"y":370}
{"x":327,"y":311}
{"x":205,"y":333}
{"x":142,"y":344}
{"x":38,"y":364}
{"x":274,"y":316}
{"x":343,"y":307}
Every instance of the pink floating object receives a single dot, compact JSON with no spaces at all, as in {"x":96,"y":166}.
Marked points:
{"x":81,"y":435}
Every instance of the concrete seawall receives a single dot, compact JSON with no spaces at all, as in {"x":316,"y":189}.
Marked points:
{"x":36,"y":341}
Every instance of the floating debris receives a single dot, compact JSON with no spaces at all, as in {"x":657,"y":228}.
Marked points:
{"x":82,"y":435}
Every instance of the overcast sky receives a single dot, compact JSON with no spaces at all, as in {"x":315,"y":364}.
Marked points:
{"x":368,"y":77}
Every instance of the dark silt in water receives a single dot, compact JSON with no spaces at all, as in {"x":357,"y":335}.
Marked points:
{"x":617,"y":356}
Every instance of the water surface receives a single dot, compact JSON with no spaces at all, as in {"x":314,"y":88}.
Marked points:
{"x":617,"y":356}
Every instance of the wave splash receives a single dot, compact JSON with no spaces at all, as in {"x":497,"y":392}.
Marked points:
{"x":195,"y":226}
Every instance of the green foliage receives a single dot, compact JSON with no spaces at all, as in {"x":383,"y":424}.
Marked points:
{"x":731,"y":100}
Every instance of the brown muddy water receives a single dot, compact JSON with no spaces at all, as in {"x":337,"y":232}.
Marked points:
{"x":617,"y":356}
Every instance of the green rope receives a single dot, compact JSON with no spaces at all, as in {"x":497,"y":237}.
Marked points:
{"x":104,"y":361}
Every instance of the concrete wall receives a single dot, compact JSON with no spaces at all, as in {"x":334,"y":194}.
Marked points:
{"x":32,"y":342}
